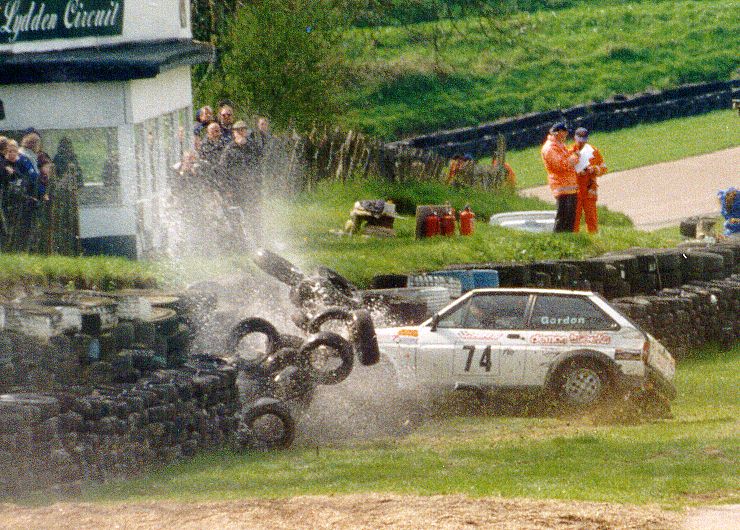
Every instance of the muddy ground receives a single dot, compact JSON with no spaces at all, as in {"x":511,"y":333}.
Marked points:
{"x":345,"y":511}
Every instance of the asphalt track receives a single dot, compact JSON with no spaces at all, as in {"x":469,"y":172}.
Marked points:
{"x":663,"y":194}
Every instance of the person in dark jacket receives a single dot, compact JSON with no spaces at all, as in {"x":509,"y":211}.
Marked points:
{"x":240,"y":166}
{"x":213,"y":144}
{"x":66,"y":162}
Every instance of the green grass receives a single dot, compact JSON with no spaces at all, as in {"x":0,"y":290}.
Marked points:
{"x":535,"y":61}
{"x":98,"y":272}
{"x":642,"y":145}
{"x":309,"y":220}
{"x":688,"y":460}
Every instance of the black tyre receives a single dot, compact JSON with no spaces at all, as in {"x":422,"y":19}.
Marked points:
{"x":278,"y":360}
{"x":582,"y":383}
{"x":277,"y":267}
{"x":342,"y":284}
{"x":269,"y":425}
{"x":389,"y":281}
{"x":328,"y":357}
{"x":292,"y":383}
{"x":329,"y":315}
{"x":290,"y":341}
{"x":247,"y":327}
{"x":364,"y":338}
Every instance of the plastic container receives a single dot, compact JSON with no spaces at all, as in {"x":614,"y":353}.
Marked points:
{"x":466,"y":278}
{"x":484,"y":278}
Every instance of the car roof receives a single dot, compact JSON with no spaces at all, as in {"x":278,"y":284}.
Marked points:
{"x":530,"y":290}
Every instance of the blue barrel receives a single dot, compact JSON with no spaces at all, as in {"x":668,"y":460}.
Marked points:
{"x":466,"y":278}
{"x":483,"y":278}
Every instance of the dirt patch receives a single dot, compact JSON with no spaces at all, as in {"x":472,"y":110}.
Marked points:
{"x":346,"y":511}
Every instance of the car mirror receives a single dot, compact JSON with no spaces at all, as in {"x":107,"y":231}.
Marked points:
{"x":435,"y":322}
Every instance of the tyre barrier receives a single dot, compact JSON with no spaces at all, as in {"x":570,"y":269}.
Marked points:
{"x":63,"y":439}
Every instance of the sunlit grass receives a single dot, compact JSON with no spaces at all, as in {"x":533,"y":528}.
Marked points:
{"x":692,"y":458}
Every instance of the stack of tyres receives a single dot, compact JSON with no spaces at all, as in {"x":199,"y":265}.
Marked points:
{"x":700,"y":265}
{"x":547,"y":274}
{"x":509,"y":274}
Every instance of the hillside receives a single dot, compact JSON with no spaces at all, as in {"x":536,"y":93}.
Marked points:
{"x":425,"y":76}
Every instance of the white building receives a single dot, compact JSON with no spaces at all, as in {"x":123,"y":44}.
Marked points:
{"x":112,"y":76}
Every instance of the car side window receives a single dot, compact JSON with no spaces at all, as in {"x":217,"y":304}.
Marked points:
{"x":569,"y":312}
{"x":488,"y":311}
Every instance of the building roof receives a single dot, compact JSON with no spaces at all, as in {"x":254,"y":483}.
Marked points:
{"x":119,"y":62}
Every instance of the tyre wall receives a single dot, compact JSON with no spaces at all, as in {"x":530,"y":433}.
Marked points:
{"x":615,"y":113}
{"x":95,"y":398}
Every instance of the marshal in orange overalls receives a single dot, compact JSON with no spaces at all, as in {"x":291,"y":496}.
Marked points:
{"x":590,"y":167}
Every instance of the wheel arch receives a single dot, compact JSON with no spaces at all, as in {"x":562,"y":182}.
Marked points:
{"x":564,"y":359}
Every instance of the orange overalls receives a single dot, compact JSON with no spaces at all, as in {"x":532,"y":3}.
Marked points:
{"x":588,"y":189}
{"x":560,"y":173}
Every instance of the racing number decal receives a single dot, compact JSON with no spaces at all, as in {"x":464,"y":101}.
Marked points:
{"x":485,"y":358}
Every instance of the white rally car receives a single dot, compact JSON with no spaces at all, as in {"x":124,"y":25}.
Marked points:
{"x":572,"y":344}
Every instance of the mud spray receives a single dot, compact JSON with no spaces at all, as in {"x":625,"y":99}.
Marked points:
{"x":200,"y":229}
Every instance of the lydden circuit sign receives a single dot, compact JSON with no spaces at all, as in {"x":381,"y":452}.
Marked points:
{"x":28,"y":20}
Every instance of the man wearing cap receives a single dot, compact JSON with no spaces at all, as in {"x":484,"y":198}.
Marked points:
{"x":561,"y":176}
{"x":590,"y":165}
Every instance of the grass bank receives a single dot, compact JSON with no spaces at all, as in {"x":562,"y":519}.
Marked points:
{"x":309,"y":241}
{"x":636,"y":146}
{"x":533,"y":61}
{"x":688,"y":460}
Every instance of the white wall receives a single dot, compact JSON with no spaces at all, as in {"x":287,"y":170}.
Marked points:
{"x":143,"y":20}
{"x":107,"y":221}
{"x":149,"y":98}
{"x":63,"y":105}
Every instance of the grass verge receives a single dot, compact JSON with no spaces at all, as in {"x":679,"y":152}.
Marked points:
{"x":688,"y":460}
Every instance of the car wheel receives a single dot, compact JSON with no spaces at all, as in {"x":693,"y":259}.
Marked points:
{"x":269,"y":425}
{"x":328,"y":357}
{"x":277,"y":267}
{"x":582,"y":384}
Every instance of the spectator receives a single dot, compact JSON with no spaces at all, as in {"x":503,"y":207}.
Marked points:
{"x":8,"y":158}
{"x":589,"y":167}
{"x":46,"y":173}
{"x":213,"y":144}
{"x":510,"y":180}
{"x":226,"y":121}
{"x":263,"y":133}
{"x":28,"y":163}
{"x":561,"y":175}
{"x":455,"y":163}
{"x":66,"y":162}
{"x":240,"y":161}
{"x":203,"y":117}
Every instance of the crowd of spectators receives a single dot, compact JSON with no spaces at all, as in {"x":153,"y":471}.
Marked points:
{"x":226,"y":162}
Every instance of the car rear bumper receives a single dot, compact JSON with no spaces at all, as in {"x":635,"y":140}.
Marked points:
{"x":653,"y":381}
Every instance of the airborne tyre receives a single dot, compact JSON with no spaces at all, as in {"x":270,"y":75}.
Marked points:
{"x":314,"y":351}
{"x":331,"y":314}
{"x":247,"y":327}
{"x":342,"y":284}
{"x":581,"y":384}
{"x":269,"y":425}
{"x":277,"y":267}
{"x":364,"y":338}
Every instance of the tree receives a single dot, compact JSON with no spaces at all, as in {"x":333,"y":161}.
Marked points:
{"x":284,"y":59}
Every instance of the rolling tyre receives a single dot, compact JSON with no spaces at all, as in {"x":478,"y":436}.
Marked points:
{"x":364,"y":338}
{"x":279,"y":360}
{"x":290,"y":341}
{"x":247,"y":327}
{"x":277,"y":267}
{"x":582,"y":384}
{"x":292,"y":383}
{"x":269,"y":425}
{"x":331,"y":314}
{"x":342,"y":284}
{"x":328,"y":357}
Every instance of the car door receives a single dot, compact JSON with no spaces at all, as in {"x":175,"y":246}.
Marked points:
{"x":482,"y":339}
{"x":561,"y":323}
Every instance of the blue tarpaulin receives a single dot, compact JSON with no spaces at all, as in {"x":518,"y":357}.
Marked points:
{"x":730,"y":201}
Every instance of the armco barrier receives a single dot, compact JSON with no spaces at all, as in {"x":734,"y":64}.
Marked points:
{"x":616,"y":113}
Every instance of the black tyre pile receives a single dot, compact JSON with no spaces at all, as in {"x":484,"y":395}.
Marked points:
{"x":689,"y":316}
{"x":63,"y":439}
{"x":62,"y":338}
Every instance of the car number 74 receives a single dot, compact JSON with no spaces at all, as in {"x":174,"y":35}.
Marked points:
{"x":485,"y":358}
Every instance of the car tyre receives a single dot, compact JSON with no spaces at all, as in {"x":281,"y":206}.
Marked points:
{"x":582,"y":384}
{"x":364,"y":338}
{"x":343,"y":349}
{"x":333,"y":313}
{"x":247,"y":327}
{"x":269,"y":425}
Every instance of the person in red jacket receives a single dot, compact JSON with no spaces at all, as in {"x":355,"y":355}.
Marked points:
{"x":561,"y":176}
{"x":589,"y":167}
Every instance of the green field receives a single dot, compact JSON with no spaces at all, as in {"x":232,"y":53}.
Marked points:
{"x":687,"y":460}
{"x":642,"y":145}
{"x":533,"y":61}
